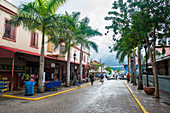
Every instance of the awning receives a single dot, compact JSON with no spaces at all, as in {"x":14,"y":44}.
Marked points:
{"x":8,"y":52}
{"x":14,"y":50}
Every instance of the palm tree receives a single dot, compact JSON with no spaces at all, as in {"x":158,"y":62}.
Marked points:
{"x":85,"y":32}
{"x":140,"y":84}
{"x":40,"y":15}
{"x":134,"y":64}
{"x":67,"y":36}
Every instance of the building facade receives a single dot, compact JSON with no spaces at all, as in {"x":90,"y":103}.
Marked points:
{"x":20,"y":51}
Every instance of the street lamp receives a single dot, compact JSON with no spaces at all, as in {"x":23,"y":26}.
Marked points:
{"x":147,"y":83}
{"x":74,"y":56}
{"x":132,"y":71}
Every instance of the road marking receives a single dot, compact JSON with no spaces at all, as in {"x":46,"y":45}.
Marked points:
{"x":138,"y":102}
{"x":39,"y":98}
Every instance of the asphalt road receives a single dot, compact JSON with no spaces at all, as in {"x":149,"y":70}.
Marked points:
{"x":110,"y":97}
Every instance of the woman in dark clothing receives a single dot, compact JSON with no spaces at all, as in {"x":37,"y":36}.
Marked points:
{"x":92,"y":78}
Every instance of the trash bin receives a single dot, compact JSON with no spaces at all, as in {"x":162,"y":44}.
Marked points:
{"x":29,"y":88}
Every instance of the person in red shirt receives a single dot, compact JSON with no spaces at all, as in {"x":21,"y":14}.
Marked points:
{"x":127,"y":76}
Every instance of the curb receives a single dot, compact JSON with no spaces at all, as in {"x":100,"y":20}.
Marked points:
{"x":39,"y":98}
{"x":138,"y":102}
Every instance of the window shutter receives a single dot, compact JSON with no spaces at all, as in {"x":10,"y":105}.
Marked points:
{"x":32,"y":38}
{"x":12,"y":34}
{"x":7,"y":29}
{"x":36,"y":39}
{"x":50,"y":46}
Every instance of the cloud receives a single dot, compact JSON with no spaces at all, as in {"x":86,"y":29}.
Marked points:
{"x":96,"y":10}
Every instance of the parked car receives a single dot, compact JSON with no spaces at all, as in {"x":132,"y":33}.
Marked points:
{"x":110,"y":77}
{"x":122,"y":77}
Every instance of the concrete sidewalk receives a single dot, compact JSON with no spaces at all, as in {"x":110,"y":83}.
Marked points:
{"x":151,"y":104}
{"x":38,"y":96}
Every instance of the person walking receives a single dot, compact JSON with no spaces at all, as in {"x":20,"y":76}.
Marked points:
{"x":79,"y":81}
{"x":92,"y":78}
{"x":127,"y":76}
{"x":102,"y":78}
{"x":75,"y":79}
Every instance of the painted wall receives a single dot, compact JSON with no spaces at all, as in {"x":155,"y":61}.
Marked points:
{"x":23,"y":37}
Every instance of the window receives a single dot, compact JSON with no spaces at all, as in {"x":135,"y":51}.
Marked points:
{"x":70,"y":53}
{"x":10,"y":31}
{"x":84,"y":58}
{"x":50,"y":46}
{"x":87,"y":58}
{"x":61,"y":49}
{"x":34,"y":40}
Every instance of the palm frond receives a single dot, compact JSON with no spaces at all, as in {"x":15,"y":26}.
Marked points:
{"x":53,"y":5}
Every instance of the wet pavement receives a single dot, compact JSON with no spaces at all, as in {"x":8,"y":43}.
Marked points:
{"x":151,"y":104}
{"x":110,"y":97}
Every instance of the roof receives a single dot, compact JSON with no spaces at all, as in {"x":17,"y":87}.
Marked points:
{"x":167,"y":50}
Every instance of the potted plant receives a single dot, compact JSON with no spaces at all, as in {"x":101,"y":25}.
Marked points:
{"x":149,"y":90}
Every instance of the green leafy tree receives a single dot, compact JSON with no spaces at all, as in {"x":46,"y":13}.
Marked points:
{"x":67,"y":36}
{"x":108,"y":69}
{"x":85,"y":33}
{"x":147,"y":20}
{"x":39,"y":15}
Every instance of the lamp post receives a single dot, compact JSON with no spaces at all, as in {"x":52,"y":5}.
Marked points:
{"x":132,"y":75}
{"x":147,"y":83}
{"x":74,"y":56}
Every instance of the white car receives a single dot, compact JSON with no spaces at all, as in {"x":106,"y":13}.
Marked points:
{"x":109,"y":77}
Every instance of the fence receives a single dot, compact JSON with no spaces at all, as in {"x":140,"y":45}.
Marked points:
{"x":164,"y":82}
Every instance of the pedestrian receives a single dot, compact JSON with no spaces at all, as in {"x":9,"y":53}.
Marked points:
{"x":75,"y":79}
{"x":127,"y":76}
{"x":123,"y":77}
{"x":36,"y":78}
{"x":27,"y":77}
{"x":92,"y":78}
{"x":32,"y":77}
{"x":52,"y":76}
{"x":102,"y":78}
{"x":79,"y":81}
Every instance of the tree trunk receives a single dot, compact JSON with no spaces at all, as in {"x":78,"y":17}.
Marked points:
{"x":40,"y":88}
{"x":153,"y":62}
{"x":134,"y":67}
{"x":128,"y":66}
{"x":140,"y":84}
{"x":81,"y":58}
{"x":68,"y":69}
{"x":131,"y":65}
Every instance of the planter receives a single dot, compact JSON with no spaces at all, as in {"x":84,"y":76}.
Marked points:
{"x":149,"y":90}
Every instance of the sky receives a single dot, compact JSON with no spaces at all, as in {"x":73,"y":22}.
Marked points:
{"x":96,"y":10}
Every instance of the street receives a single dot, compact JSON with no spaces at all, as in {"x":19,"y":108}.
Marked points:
{"x":110,"y":97}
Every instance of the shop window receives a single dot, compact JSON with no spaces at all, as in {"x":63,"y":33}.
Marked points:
{"x":50,"y":46}
{"x":34,"y":39}
{"x":10,"y":31}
